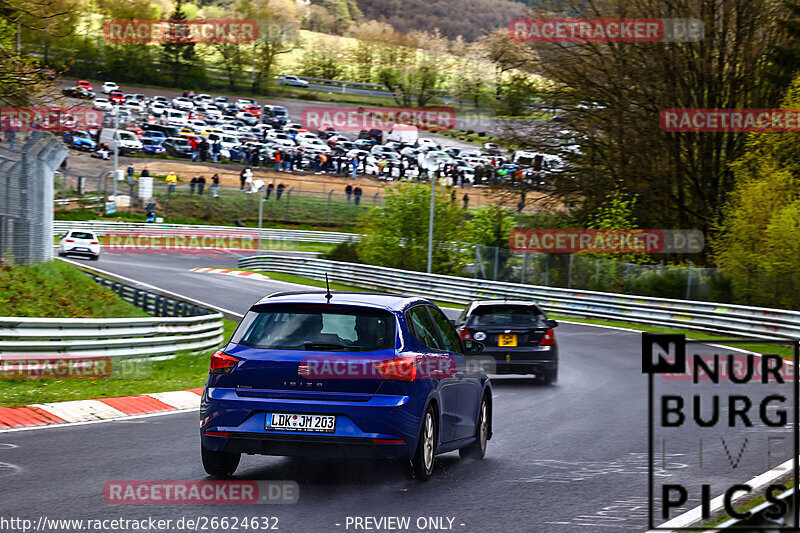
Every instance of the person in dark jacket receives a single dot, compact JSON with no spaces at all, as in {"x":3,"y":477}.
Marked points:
{"x":270,"y":188}
{"x":192,"y":185}
{"x":279,"y":191}
{"x":349,"y":192}
{"x":201,"y":184}
{"x":357,"y":193}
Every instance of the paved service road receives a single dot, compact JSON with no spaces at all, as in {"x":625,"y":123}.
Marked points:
{"x":571,"y":457}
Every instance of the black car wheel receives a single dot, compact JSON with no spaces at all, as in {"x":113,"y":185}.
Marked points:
{"x":220,"y":464}
{"x":477,"y":449}
{"x":422,"y":462}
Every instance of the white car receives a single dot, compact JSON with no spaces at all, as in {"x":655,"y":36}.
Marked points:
{"x":430,"y":143}
{"x":158,"y":108}
{"x":79,"y":242}
{"x":176,"y":117}
{"x":241,"y":103}
{"x":197,"y":124}
{"x":109,"y":86}
{"x":314,"y":145}
{"x":305,"y":135}
{"x":102,"y":104}
{"x":291,"y":81}
{"x":182,"y":103}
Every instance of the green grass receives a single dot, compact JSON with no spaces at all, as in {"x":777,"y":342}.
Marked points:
{"x":57,"y":289}
{"x":185,"y":371}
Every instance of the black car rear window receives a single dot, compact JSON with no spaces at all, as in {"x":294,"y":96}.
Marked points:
{"x":317,"y":327}
{"x":506,"y":315}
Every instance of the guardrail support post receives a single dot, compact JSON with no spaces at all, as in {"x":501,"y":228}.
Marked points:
{"x":496,"y":260}
{"x":547,"y":270}
{"x":329,"y":201}
{"x":689,"y":282}
{"x":597,"y":273}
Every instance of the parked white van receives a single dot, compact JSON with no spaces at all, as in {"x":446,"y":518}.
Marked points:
{"x":176,"y":117}
{"x":126,"y":139}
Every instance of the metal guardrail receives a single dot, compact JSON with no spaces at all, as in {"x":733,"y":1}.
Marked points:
{"x":109,"y":337}
{"x":102,"y":227}
{"x":723,"y":319}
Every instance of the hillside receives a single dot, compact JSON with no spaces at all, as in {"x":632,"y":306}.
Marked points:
{"x":468,"y":18}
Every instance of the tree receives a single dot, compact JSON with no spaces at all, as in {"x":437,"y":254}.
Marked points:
{"x":613,"y":93}
{"x":396,"y":236}
{"x":179,"y":57}
{"x":756,"y":242}
{"x":323,"y":59}
{"x":278,"y":34}
{"x":507,"y":55}
{"x":414,"y":67}
{"x":490,"y":226}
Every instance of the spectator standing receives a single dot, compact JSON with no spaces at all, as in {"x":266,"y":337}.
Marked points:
{"x":354,"y":167}
{"x":279,"y":191}
{"x":270,"y":188}
{"x":195,"y":148}
{"x":215,"y":185}
{"x":204,"y":146}
{"x":277,"y":156}
{"x":145,"y":173}
{"x":466,"y":201}
{"x":349,"y":192}
{"x":216,"y":148}
{"x":248,"y":179}
{"x":357,"y":193}
{"x":131,"y":170}
{"x":192,"y":185}
{"x":172,"y":179}
{"x":201,"y":185}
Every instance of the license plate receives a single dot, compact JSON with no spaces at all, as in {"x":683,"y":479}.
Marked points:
{"x":301,"y":422}
{"x":506,"y":339}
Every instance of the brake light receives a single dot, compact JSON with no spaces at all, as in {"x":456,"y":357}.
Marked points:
{"x":95,"y":242}
{"x":549,"y":338}
{"x":388,"y":441}
{"x":396,"y":370}
{"x":69,"y":240}
{"x":222,"y":363}
{"x":465,"y":334}
{"x":219,"y":433}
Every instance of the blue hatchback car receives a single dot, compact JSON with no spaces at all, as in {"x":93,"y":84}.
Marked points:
{"x":352,"y":375}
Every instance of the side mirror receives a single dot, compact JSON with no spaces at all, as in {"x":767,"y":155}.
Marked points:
{"x":472,"y":347}
{"x":551,"y":324}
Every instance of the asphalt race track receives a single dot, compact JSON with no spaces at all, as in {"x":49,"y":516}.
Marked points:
{"x":571,"y":457}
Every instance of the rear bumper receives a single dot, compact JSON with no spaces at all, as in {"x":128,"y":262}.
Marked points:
{"x":521,"y":360}
{"x":381,"y":417}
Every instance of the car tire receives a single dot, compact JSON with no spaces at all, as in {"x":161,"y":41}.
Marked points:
{"x":61,"y":254}
{"x":94,"y":257}
{"x":220,"y":464}
{"x":477,"y":450}
{"x":549,"y":377}
{"x":424,"y":458}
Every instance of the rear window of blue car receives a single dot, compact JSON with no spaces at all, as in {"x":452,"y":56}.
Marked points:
{"x":315,"y":327}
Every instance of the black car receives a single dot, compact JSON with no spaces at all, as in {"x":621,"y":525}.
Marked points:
{"x":78,"y":92}
{"x":177,"y":147}
{"x":518,"y":337}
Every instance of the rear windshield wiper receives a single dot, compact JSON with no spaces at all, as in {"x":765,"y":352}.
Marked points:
{"x":329,"y":346}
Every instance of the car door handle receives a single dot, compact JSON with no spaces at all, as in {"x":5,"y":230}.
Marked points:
{"x":460,"y":375}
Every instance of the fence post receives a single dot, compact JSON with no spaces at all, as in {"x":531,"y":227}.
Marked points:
{"x":627,"y":272}
{"x":477,"y":259}
{"x":524,"y":267}
{"x":496,"y":260}
{"x":571,"y":259}
{"x":288,"y":197}
{"x":329,"y":206}
{"x":547,"y":270}
{"x":597,"y":272}
{"x":689,"y":282}
{"x":661,"y":269}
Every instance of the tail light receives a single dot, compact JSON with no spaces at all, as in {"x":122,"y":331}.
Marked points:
{"x":69,"y":240}
{"x":549,"y":338}
{"x":95,"y":242}
{"x":465,"y":334}
{"x":222,"y":363}
{"x":396,"y":370}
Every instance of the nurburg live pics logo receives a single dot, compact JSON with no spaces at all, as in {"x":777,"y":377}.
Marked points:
{"x":721,"y":416}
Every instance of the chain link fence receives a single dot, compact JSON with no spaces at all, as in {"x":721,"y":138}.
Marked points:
{"x":28,"y":161}
{"x":576,"y":271}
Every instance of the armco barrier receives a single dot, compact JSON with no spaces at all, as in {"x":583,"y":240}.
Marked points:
{"x":101,"y":227}
{"x":706,"y":317}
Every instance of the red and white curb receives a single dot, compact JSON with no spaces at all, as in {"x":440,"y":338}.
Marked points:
{"x":103,"y":409}
{"x":244,"y":274}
